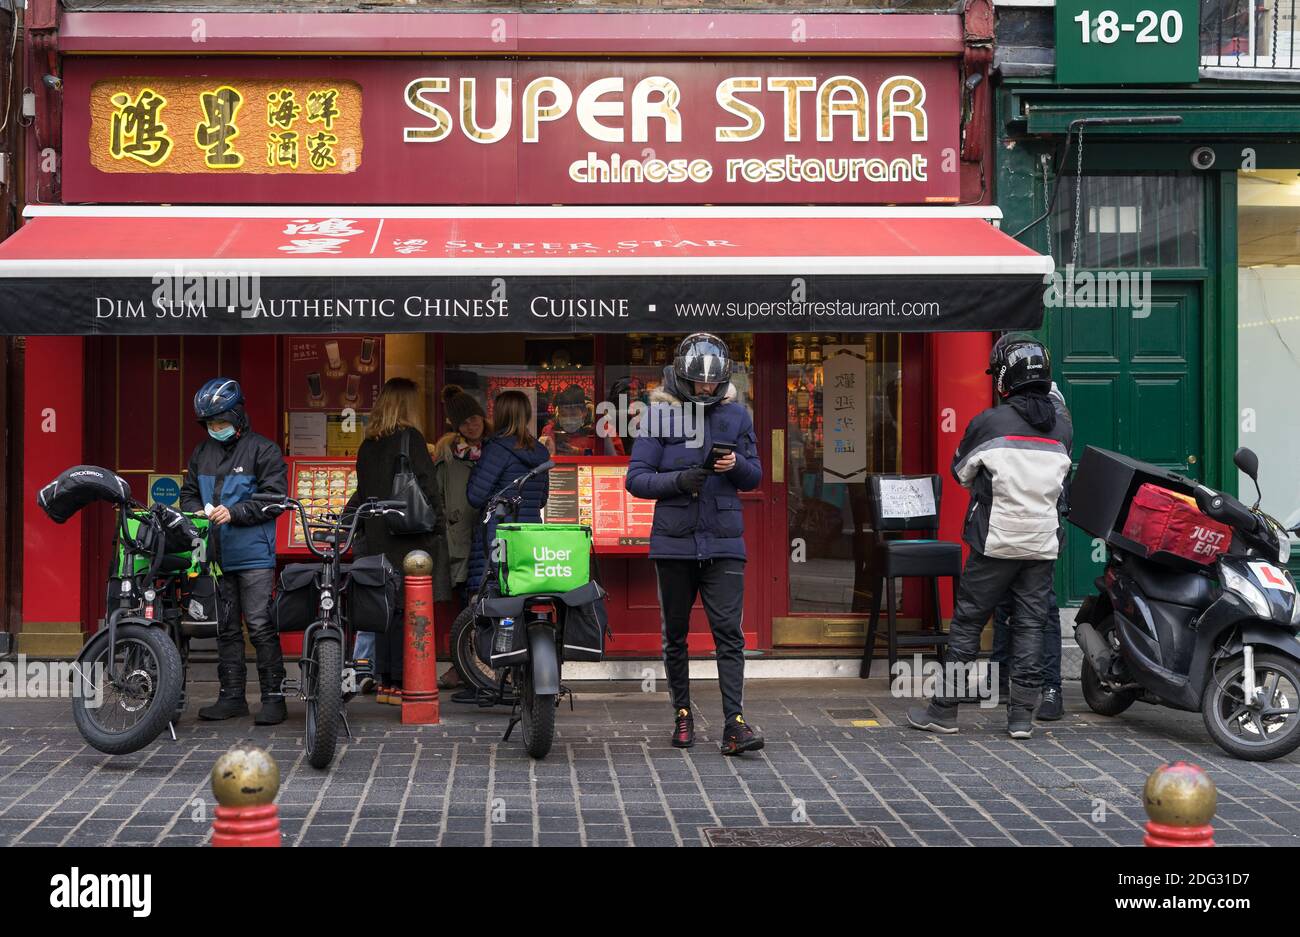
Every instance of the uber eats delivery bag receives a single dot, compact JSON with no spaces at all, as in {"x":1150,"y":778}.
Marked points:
{"x":535,"y":558}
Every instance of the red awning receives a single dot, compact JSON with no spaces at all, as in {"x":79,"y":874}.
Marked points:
{"x":70,"y":268}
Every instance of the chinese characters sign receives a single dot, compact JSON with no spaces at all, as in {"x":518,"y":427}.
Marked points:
{"x":192,"y":125}
{"x":517,"y":131}
{"x":844,"y":412}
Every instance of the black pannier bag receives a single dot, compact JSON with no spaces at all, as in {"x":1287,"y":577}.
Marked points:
{"x":78,"y":486}
{"x":586,"y":623}
{"x":297,"y":599}
{"x":200,"y":611}
{"x":488,"y":619}
{"x":373,"y":591}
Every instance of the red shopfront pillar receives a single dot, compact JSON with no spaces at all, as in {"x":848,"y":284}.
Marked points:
{"x":960,"y":389}
{"x":54,"y":434}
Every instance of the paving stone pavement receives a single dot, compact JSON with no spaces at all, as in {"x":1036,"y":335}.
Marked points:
{"x":613,"y":779}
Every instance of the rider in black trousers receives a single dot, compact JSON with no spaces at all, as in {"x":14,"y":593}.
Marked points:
{"x":1014,"y":459}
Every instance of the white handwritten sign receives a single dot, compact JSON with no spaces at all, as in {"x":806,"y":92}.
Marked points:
{"x":906,"y":497}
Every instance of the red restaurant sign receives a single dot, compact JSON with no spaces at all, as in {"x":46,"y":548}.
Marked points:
{"x":495,"y":131}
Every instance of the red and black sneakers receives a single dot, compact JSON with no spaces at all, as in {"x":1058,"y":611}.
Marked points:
{"x":739,"y":737}
{"x":684,"y":732}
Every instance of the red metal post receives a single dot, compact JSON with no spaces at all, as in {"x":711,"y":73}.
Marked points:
{"x":247,"y":826}
{"x":420,"y":663}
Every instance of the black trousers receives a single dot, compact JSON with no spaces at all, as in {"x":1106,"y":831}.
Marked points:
{"x":720,"y":585}
{"x":985,"y":581}
{"x":247,"y":595}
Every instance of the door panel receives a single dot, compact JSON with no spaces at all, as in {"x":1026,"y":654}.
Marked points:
{"x":1133,"y":384}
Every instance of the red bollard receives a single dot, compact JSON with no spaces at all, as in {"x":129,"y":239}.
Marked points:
{"x":1180,"y":800}
{"x":247,"y":826}
{"x":245,"y":782}
{"x":420,"y":660}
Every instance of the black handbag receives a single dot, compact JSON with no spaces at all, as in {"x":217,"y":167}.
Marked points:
{"x":417,"y":516}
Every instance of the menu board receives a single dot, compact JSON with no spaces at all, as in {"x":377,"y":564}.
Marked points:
{"x":591,"y":492}
{"x":323,"y":486}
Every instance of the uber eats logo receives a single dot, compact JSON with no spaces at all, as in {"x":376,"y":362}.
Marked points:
{"x":551,"y":563}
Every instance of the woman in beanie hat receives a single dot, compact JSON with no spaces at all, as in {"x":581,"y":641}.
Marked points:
{"x":454,"y":455}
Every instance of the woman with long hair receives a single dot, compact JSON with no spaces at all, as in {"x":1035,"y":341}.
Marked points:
{"x":394,"y":420}
{"x":454,"y":456}
{"x":511,"y":451}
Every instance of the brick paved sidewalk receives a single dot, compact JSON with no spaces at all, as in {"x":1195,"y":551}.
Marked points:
{"x":613,"y":779}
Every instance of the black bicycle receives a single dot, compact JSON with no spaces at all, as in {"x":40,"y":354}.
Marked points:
{"x":325,"y":684}
{"x":131,"y":675}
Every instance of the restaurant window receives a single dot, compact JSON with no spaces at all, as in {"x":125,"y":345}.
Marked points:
{"x":1134,"y":221}
{"x":1268,"y":334}
{"x":843,"y":420}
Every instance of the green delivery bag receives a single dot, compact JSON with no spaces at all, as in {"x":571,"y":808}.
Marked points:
{"x":142,"y":562}
{"x":535,"y":558}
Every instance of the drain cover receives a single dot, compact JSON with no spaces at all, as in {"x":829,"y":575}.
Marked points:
{"x":797,"y":836}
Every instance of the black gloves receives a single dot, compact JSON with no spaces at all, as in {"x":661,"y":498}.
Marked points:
{"x":692,"y":480}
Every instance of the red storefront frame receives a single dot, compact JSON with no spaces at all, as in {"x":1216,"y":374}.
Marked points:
{"x":943,"y":372}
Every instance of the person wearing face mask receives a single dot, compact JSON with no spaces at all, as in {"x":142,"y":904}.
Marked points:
{"x":224,"y":473}
{"x":572,"y":431}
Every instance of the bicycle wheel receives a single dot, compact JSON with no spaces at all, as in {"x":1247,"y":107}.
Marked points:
{"x":324,"y":701}
{"x":123,"y":717}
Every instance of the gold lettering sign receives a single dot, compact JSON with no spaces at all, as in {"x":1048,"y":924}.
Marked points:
{"x":231,"y":125}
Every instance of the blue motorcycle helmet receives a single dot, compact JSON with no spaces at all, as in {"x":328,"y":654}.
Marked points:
{"x":220,"y":398}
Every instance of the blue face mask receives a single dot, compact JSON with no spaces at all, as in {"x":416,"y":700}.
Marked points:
{"x":221,"y":435}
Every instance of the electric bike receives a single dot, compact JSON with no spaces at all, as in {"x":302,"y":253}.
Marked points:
{"x":325,"y":683}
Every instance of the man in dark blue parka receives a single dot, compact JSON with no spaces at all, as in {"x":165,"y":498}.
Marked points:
{"x":697,"y":540}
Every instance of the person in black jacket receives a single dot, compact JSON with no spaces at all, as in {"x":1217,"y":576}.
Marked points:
{"x":697,"y":538}
{"x":1014,"y":459}
{"x":394,"y":423}
{"x":224,"y":473}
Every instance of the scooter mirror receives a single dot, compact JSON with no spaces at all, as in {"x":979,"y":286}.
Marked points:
{"x":1246,"y":460}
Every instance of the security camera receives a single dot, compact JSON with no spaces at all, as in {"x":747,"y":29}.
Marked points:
{"x":1203,"y":157}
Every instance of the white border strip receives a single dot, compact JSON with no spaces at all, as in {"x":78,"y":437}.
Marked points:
{"x":560,"y":266}
{"x":985,"y":212}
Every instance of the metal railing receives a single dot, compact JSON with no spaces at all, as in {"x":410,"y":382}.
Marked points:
{"x":1250,"y":34}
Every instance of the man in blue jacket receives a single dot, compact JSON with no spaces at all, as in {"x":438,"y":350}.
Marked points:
{"x":697,"y":539}
{"x":225,"y":471}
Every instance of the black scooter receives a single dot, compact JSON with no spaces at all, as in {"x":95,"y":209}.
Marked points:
{"x":1220,"y":639}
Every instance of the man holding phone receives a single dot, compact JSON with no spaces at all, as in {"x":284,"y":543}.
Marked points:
{"x":697,"y":539}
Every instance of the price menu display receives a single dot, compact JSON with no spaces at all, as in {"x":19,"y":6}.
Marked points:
{"x":323,"y":486}
{"x":593,"y":495}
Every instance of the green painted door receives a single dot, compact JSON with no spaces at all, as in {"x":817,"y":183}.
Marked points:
{"x":1133,"y":384}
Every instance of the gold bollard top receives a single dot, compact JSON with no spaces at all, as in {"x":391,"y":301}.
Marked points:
{"x":245,"y":776}
{"x":1180,"y":795}
{"x":418,"y":563}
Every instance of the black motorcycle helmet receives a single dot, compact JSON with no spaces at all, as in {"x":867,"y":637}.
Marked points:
{"x":704,"y":358}
{"x":1019,"y":362}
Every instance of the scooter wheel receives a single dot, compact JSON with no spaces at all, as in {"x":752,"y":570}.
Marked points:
{"x":1100,"y":698}
{"x":1261,"y":734}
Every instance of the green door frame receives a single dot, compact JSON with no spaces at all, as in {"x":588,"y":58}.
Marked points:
{"x":1032,"y":117}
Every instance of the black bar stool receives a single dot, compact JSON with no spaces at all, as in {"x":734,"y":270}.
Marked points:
{"x":900,"y":504}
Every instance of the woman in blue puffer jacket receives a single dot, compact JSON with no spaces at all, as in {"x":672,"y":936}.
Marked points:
{"x":513,"y":451}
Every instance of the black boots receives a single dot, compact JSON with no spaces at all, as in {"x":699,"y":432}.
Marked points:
{"x":273,"y":711}
{"x":230,"y":701}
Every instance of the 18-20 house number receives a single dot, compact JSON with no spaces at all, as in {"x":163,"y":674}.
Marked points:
{"x":1150,"y":26}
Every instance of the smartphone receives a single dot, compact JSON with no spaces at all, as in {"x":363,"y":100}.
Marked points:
{"x":719,"y":451}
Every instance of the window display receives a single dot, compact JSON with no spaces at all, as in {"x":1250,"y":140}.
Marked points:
{"x":843,"y":421}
